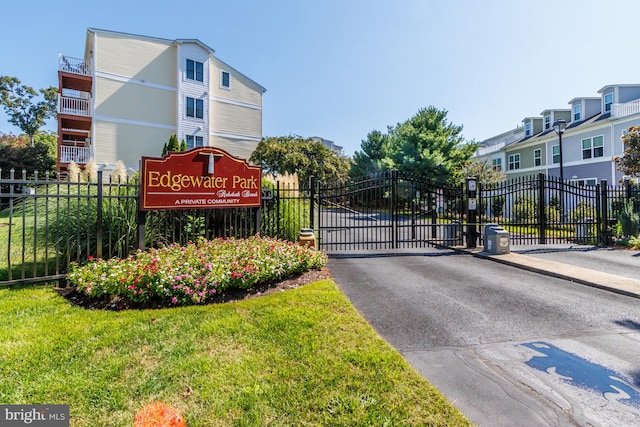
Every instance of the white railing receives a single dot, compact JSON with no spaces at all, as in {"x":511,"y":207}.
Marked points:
{"x":74,"y":65}
{"x":626,"y":109}
{"x":70,"y":154}
{"x":75,"y":106}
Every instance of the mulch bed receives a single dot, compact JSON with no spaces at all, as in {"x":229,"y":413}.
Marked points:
{"x":119,"y":303}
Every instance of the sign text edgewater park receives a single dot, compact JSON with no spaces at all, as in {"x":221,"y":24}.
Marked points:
{"x":204,"y":177}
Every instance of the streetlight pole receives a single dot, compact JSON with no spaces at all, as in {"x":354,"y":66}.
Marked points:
{"x":559,"y":127}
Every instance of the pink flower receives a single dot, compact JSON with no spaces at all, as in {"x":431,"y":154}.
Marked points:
{"x":174,"y":300}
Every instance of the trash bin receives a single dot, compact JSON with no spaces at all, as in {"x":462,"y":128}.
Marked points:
{"x":496,"y":240}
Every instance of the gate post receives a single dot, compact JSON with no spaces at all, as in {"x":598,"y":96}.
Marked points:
{"x":99,"y":218}
{"x":472,"y":231}
{"x":394,"y":208}
{"x":542,"y":220}
{"x":312,"y":198}
{"x":604,"y":213}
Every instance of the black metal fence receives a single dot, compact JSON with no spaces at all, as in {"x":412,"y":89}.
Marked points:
{"x":542,"y":209}
{"x":45,"y":223}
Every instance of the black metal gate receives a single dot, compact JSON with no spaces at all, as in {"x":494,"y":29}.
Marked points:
{"x":544,"y":210}
{"x":389,"y":211}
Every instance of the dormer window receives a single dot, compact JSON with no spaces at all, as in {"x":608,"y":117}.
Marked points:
{"x":527,"y":129}
{"x":195,"y":70}
{"x":608,"y":102}
{"x":547,"y":122}
{"x":577,"y":113}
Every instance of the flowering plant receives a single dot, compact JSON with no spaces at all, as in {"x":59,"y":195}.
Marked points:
{"x":193,"y":274}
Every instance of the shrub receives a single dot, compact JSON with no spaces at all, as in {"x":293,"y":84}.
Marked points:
{"x":525,"y":209}
{"x":628,"y":220}
{"x":193,"y":274}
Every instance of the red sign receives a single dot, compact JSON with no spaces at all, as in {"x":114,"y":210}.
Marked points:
{"x":203,"y":177}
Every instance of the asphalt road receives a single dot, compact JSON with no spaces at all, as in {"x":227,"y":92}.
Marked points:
{"x":507,"y":346}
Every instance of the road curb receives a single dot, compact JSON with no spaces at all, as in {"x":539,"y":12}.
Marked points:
{"x":626,"y":286}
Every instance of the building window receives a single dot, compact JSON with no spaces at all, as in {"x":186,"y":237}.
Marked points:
{"x":555,"y":150}
{"x":195,"y":108}
{"x":593,"y":147}
{"x":586,"y":182}
{"x":547,"y":122}
{"x":194,"y":141}
{"x":195,"y":70}
{"x":514,"y":161}
{"x":537,"y":157}
{"x":225,"y":80}
{"x":527,"y":129}
{"x":497,"y":164}
{"x":577,"y":113}
{"x":608,"y":101}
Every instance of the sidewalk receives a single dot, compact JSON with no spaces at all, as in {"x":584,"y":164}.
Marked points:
{"x":520,"y":257}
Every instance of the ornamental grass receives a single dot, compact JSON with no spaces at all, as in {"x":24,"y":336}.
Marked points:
{"x":195,"y":273}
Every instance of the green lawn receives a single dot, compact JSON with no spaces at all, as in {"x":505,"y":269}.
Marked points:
{"x":300,"y":357}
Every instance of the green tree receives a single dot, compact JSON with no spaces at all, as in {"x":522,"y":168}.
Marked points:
{"x":183,"y":145}
{"x":24,"y":111}
{"x":483,"y":170}
{"x":426,"y":144}
{"x":16,"y":152}
{"x":173,"y":144}
{"x":629,"y":164}
{"x":371,"y":159}
{"x":306,"y":157}
{"x":50,"y":139}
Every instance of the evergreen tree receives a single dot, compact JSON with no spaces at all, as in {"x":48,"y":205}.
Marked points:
{"x":173,"y":145}
{"x":426,"y":144}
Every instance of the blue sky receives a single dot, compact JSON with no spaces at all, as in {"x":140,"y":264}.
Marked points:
{"x":342,"y":68}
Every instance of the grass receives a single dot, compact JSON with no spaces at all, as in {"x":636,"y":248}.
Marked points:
{"x":300,"y":357}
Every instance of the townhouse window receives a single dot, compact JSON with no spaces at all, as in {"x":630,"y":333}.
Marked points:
{"x":577,"y":113}
{"x":497,"y":164}
{"x":194,"y":141}
{"x":555,"y":151}
{"x":527,"y":129}
{"x":608,"y":102}
{"x":547,"y":122}
{"x":195,"y":108}
{"x":537,"y":157}
{"x":593,"y":147}
{"x":225,"y":80}
{"x":514,"y":161}
{"x":195,"y":70}
{"x":586,"y":182}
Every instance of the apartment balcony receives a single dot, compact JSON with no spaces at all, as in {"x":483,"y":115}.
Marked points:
{"x":626,"y":109}
{"x":74,"y":73}
{"x":70,"y":153}
{"x":74,"y":106}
